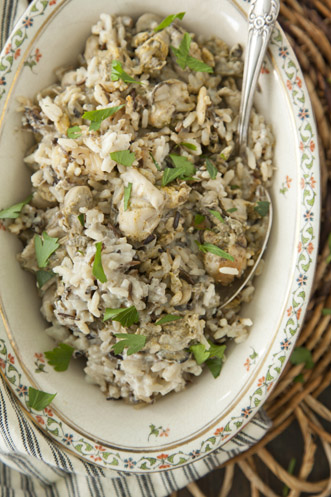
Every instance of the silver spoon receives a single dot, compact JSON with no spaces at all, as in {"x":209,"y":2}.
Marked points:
{"x":261,"y":20}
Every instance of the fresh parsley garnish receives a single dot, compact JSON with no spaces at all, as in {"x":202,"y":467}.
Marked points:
{"x":43,"y":277}
{"x":217,"y":215}
{"x":126,"y":316}
{"x":299,"y":378}
{"x":74,"y":132}
{"x":213,"y":249}
{"x":213,"y":356}
{"x":262,"y":208}
{"x":117,"y":72}
{"x":169,"y":20}
{"x":302,"y":355}
{"x":38,"y":399}
{"x":188,"y":145}
{"x":198,"y":220}
{"x":44,"y":246}
{"x":212,"y":170}
{"x":123,"y":157}
{"x":290,"y":470}
{"x":81,"y":219}
{"x":326,"y":311}
{"x":134,"y":343}
{"x":184,"y":169}
{"x":156,"y":164}
{"x":233,"y":209}
{"x":168,"y":318}
{"x":97,"y":116}
{"x":97,"y":268}
{"x":14,"y":211}
{"x":184,"y":59}
{"x":127,"y":195}
{"x":328,"y":259}
{"x":60,"y":356}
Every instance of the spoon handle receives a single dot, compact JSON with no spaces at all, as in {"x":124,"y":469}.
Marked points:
{"x":261,"y":20}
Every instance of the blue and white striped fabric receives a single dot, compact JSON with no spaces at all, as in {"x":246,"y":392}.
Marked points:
{"x":31,"y":465}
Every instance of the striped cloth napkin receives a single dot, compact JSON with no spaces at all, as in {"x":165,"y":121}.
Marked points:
{"x":31,"y":465}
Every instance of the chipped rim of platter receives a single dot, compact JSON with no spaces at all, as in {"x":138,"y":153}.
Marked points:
{"x":20,"y":54}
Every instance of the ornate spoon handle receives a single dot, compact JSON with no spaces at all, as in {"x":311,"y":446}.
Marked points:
{"x":261,"y":20}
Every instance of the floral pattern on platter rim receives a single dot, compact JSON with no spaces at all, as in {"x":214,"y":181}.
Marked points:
{"x":215,"y":437}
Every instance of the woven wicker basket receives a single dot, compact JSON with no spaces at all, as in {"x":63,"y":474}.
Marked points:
{"x":308,"y":28}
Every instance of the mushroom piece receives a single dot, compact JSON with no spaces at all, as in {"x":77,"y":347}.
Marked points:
{"x":145,"y":209}
{"x":153,"y":52}
{"x":223,"y":270}
{"x":75,"y":198}
{"x":168,"y":97}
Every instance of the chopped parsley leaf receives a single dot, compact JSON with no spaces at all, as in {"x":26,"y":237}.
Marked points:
{"x":134,"y":343}
{"x":117,"y":72}
{"x":156,"y":164}
{"x":60,"y":356}
{"x":168,"y":318}
{"x":97,"y":268}
{"x":212,"y":170}
{"x":169,"y":20}
{"x":38,"y":399}
{"x":302,"y":355}
{"x":81,"y":219}
{"x":213,"y":249}
{"x":184,"y":59}
{"x":127,"y":195}
{"x":43,"y":277}
{"x":14,"y":211}
{"x":217,"y":215}
{"x":262,"y":208}
{"x":44,"y":246}
{"x":188,"y":145}
{"x":123,"y":157}
{"x":97,"y":116}
{"x":74,"y":132}
{"x":213,"y":356}
{"x":126,"y":315}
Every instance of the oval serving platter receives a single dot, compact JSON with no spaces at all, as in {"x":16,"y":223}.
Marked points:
{"x":185,"y":426}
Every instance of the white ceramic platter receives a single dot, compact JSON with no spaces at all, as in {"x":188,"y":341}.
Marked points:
{"x":188,"y":425}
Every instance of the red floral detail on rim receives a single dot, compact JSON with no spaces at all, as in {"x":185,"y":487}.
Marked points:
{"x":219,"y":431}
{"x":17,"y":53}
{"x":11,"y":359}
{"x":8,"y":49}
{"x":37,"y":55}
{"x":289,"y":311}
{"x":2,"y":364}
{"x":52,"y":2}
{"x":247,"y":364}
{"x":39,"y":356}
{"x":100,"y":448}
{"x":298,"y":81}
{"x":163,"y":457}
{"x":312,"y":146}
{"x":289,"y":84}
{"x":302,"y":183}
{"x":260,"y":381}
{"x":40,"y":420}
{"x":288,"y":181}
{"x":48,"y":411}
{"x":313,"y":182}
{"x":310,"y":248}
{"x":299,"y":247}
{"x":165,"y":432}
{"x":299,"y":313}
{"x":164,"y":466}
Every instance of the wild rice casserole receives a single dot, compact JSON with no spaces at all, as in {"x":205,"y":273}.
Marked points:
{"x":144,"y":209}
